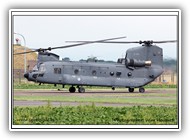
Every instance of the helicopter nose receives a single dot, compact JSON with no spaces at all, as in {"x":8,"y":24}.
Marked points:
{"x":26,"y":75}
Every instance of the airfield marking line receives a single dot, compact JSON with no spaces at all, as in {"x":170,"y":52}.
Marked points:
{"x":57,"y":104}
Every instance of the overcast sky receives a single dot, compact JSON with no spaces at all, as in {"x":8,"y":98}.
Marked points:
{"x":50,"y":31}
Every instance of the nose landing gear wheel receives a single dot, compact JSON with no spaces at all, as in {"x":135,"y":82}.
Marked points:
{"x":141,"y":90}
{"x":72,"y":89}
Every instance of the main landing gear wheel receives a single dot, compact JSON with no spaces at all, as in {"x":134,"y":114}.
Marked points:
{"x":131,"y":89}
{"x":141,"y":90}
{"x":81,"y":90}
{"x":72,"y":89}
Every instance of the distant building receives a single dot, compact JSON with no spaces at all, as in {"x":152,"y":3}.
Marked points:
{"x":31,"y":64}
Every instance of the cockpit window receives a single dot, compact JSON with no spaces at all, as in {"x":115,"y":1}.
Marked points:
{"x":42,"y":68}
{"x":35,"y":68}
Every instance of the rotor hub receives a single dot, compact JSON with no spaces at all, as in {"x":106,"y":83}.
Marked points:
{"x":147,"y":42}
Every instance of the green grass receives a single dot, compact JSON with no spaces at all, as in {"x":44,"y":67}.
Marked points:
{"x":36,"y":86}
{"x":93,"y":115}
{"x":51,"y":86}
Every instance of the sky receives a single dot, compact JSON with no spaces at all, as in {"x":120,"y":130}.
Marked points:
{"x":52,"y":31}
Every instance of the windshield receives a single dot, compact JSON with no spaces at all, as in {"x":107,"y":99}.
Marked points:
{"x":35,"y":68}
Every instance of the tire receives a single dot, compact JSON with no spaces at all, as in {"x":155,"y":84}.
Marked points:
{"x":81,"y":90}
{"x":72,"y":89}
{"x":131,"y":89}
{"x":141,"y":90}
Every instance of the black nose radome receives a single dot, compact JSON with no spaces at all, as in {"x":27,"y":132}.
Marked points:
{"x":26,"y":75}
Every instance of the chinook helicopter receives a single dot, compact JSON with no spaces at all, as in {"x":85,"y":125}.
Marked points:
{"x":141,"y":66}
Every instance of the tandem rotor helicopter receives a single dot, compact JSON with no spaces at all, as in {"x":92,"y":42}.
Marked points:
{"x":141,"y":66}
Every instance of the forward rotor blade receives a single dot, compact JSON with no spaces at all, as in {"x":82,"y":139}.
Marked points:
{"x":68,"y":46}
{"x":25,"y":52}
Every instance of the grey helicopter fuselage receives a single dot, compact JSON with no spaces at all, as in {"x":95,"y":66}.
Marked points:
{"x":140,"y":66}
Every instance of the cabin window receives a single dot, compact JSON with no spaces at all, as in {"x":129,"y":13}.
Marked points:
{"x":118,"y":73}
{"x":76,"y":71}
{"x":94,"y":72}
{"x":129,"y":74}
{"x":57,"y":70}
{"x":112,"y":73}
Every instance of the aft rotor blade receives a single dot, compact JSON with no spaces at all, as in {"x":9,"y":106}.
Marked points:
{"x":128,"y":42}
{"x":167,"y":41}
{"x":104,"y":41}
{"x":84,"y":43}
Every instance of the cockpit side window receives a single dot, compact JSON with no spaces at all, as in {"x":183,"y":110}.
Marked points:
{"x":42,"y":68}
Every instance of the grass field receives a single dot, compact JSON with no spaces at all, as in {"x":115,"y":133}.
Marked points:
{"x":51,"y":86}
{"x":93,"y":115}
{"x":156,"y":107}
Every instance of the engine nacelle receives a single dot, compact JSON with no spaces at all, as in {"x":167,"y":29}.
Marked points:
{"x":136,"y":63}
